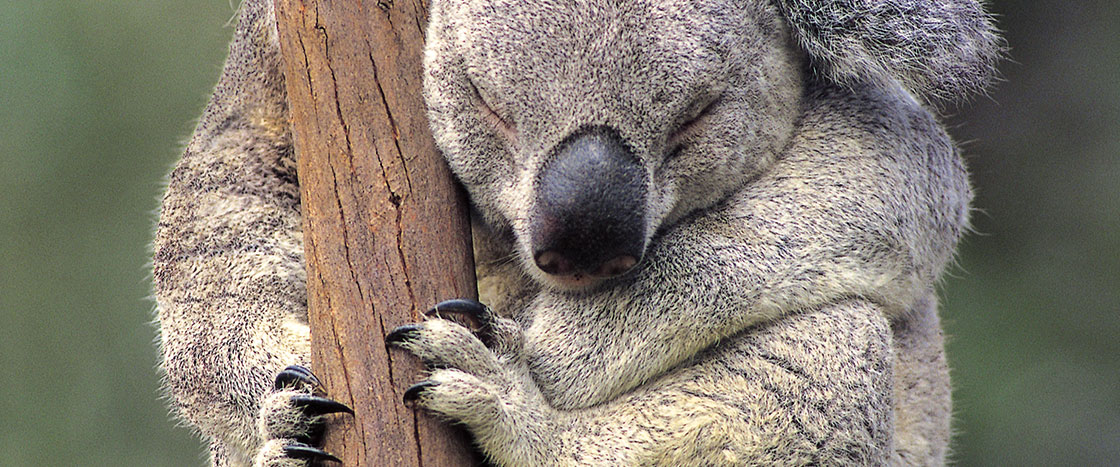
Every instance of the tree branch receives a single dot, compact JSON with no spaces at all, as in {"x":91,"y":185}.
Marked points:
{"x":386,"y":234}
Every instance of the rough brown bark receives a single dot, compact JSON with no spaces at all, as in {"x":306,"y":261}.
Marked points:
{"x":385,"y":229}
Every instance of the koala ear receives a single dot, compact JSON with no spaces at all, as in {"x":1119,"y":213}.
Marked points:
{"x":937,"y":49}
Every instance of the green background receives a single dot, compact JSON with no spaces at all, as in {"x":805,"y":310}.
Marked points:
{"x":97,"y":97}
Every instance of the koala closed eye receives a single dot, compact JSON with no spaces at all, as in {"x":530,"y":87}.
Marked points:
{"x":692,"y":125}
{"x":492,"y":117}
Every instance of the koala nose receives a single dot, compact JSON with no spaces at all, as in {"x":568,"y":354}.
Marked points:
{"x":590,"y":211}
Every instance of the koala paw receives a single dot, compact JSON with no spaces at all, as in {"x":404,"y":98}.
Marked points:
{"x":291,"y":420}
{"x":478,"y":376}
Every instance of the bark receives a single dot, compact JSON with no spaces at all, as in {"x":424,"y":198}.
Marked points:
{"x":386,"y":232}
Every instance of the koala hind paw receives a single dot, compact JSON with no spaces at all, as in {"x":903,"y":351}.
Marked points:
{"x":291,"y":420}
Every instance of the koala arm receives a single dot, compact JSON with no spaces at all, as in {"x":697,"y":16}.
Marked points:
{"x":761,"y":397}
{"x":868,"y":201}
{"x":228,"y":269}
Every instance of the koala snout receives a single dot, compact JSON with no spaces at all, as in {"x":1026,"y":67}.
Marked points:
{"x":589,"y":215}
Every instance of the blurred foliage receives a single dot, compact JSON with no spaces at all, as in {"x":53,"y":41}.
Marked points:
{"x":97,"y":97}
{"x":1033,"y":310}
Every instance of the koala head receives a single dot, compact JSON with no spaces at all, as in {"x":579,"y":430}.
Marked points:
{"x":580,"y":128}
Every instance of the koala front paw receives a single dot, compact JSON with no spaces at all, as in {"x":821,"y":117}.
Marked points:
{"x":478,"y":377}
{"x":291,"y":420}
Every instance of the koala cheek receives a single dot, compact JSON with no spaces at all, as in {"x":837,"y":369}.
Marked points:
{"x":662,"y":204}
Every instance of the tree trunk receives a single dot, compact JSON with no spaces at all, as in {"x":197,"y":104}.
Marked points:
{"x":386,"y":234}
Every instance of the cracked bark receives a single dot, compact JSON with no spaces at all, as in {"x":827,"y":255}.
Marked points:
{"x":385,"y":229}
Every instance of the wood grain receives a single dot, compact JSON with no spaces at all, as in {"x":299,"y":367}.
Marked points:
{"x":386,"y":230}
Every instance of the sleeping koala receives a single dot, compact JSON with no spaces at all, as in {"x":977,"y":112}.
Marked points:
{"x":708,"y":233}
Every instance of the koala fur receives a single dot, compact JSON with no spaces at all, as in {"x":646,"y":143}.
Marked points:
{"x":791,"y":201}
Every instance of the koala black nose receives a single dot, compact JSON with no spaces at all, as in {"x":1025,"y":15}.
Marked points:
{"x":590,"y":212}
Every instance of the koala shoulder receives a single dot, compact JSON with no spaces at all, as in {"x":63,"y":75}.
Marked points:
{"x":939,"y":50}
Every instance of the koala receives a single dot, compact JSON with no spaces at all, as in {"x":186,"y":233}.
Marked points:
{"x":706,"y":233}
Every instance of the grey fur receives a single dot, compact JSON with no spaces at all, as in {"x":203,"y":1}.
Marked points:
{"x":940,"y":50}
{"x":784,"y":310}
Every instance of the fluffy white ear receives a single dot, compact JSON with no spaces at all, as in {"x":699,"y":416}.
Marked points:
{"x":938,"y":49}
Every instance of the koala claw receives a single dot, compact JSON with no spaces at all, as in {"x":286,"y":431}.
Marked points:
{"x":305,"y":452}
{"x":294,"y":376}
{"x":291,"y":419}
{"x":402,"y":334}
{"x":469,"y":313}
{"x":468,"y":307}
{"x":315,"y":405}
{"x":412,"y":394}
{"x":495,"y":332}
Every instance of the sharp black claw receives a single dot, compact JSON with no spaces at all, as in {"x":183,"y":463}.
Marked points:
{"x":403,"y":334}
{"x":315,"y":405}
{"x":291,"y":376}
{"x":470,"y":308}
{"x":305,"y":452}
{"x":469,"y":313}
{"x":413,"y":392}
